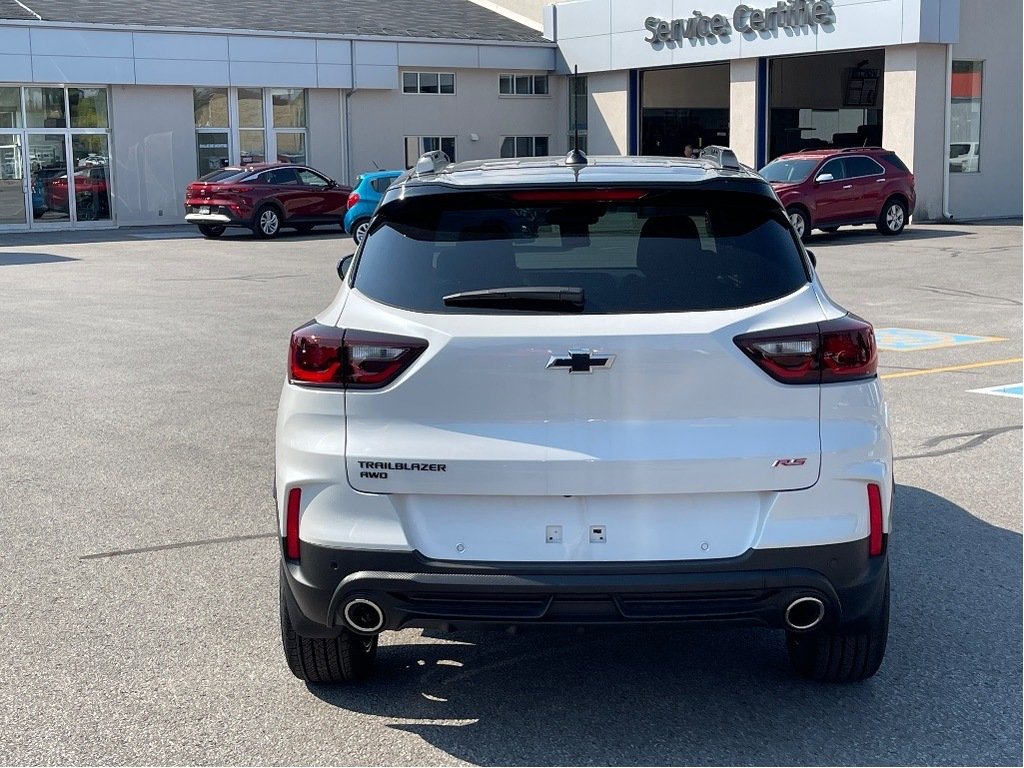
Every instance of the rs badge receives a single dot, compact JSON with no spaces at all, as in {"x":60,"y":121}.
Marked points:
{"x":789,"y":462}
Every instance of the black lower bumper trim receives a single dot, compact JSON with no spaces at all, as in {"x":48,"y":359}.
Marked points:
{"x":414,"y":591}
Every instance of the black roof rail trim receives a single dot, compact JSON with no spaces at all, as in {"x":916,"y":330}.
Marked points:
{"x":720,"y":157}
{"x":860,"y":149}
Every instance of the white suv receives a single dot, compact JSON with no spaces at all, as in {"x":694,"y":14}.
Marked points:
{"x":605,"y":391}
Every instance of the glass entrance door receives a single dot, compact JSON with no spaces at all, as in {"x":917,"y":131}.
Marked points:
{"x":91,"y":155}
{"x":48,"y":164}
{"x":12,"y":180}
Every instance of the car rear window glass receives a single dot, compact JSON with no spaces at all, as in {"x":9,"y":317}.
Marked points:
{"x":668,"y":251}
{"x":788,"y":171}
{"x":223,"y":174}
{"x":892,"y":159}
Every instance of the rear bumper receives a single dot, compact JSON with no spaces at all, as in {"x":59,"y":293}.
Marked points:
{"x":218,"y":213}
{"x":412,"y":591}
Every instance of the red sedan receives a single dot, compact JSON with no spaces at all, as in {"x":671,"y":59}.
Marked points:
{"x":264,"y":197}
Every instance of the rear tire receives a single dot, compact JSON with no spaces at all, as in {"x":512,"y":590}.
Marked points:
{"x":344,"y":659}
{"x":211,"y":231}
{"x":267,"y":222}
{"x":360,"y":229}
{"x":893,"y":217}
{"x":838,"y":656}
{"x":800,"y":221}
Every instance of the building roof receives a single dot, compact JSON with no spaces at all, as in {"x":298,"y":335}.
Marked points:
{"x":440,"y":19}
{"x":12,"y":10}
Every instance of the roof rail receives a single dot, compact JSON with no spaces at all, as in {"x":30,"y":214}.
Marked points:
{"x":721,"y":157}
{"x":859,"y":149}
{"x":431,"y":162}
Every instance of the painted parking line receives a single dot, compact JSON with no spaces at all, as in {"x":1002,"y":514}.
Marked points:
{"x":945,"y":369}
{"x":1006,"y":390}
{"x":910,"y":340}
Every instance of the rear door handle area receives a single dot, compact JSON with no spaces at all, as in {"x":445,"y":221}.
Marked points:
{"x":848,"y":186}
{"x":879,"y":181}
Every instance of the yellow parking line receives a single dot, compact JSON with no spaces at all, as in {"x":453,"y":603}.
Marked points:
{"x":968,"y":366}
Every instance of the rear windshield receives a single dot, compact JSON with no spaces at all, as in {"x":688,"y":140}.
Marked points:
{"x":790,"y":171}
{"x":223,"y":174}
{"x":902,"y":166}
{"x":664,"y":252}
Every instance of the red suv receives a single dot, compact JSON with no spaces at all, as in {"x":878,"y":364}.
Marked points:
{"x":264,"y":197}
{"x":828,"y":188}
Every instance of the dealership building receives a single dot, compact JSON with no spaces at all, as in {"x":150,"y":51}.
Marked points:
{"x":107,"y":110}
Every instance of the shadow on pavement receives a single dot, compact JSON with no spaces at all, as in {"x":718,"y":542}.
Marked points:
{"x":140,"y":234}
{"x":19,"y":259}
{"x":868,"y":232}
{"x":949,"y":691}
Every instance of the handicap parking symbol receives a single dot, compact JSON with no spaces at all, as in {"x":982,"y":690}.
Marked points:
{"x":909,"y":340}
{"x":1006,"y":390}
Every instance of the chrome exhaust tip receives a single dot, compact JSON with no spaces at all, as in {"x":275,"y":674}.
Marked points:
{"x":364,"y":616}
{"x":804,"y":613}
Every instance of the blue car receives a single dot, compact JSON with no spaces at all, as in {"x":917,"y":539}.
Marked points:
{"x":363,"y":201}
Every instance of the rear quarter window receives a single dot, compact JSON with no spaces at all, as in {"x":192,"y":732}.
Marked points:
{"x":665,"y":252}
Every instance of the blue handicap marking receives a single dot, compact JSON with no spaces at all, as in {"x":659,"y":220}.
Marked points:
{"x":907,"y":339}
{"x":1006,"y":390}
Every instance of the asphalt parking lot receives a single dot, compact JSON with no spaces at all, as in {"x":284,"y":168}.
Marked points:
{"x":140,"y":372}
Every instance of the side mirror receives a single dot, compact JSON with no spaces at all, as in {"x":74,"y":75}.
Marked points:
{"x":331,"y":183}
{"x":813,"y":258}
{"x":824,"y":177}
{"x":343,"y":266}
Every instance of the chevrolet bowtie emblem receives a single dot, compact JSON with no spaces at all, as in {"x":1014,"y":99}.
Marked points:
{"x":581,"y":361}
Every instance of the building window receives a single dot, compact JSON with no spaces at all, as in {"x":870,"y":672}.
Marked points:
{"x":415,"y":146}
{"x":965,"y":117}
{"x":524,"y":146}
{"x":523,"y":85}
{"x":578,"y":113}
{"x":248,"y":125}
{"x":57,"y":139}
{"x":428,"y":82}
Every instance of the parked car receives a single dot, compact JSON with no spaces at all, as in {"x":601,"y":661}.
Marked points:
{"x":264,"y":197}
{"x":829,"y":188}
{"x":649,"y":411}
{"x":963,"y":157}
{"x":363,"y":200}
{"x":92,"y":200}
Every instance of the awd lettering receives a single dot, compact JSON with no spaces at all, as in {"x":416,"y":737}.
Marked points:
{"x":377,"y":475}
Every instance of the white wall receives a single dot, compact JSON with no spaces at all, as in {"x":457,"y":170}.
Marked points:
{"x":996,"y":190}
{"x":743,"y":110}
{"x":608,"y":113}
{"x":602,"y":35}
{"x":326,"y":136}
{"x":380,"y":120}
{"x":913,"y":113}
{"x":154,"y":153}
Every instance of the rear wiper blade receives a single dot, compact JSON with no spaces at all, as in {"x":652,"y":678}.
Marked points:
{"x":538,"y":298}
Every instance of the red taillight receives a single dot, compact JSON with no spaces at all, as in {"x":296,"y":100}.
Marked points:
{"x":324,"y":356}
{"x":291,"y":536}
{"x":874,"y":519}
{"x":818,"y":353}
{"x":576,"y":195}
{"x":353,"y":198}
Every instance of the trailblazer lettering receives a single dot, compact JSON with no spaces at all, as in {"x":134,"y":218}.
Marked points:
{"x":795,"y":13}
{"x":401,"y":466}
